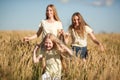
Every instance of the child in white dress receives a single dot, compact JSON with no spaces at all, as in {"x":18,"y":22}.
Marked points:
{"x":51,"y":49}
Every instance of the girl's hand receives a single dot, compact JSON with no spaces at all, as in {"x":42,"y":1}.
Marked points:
{"x":36,"y":58}
{"x":36,"y":47}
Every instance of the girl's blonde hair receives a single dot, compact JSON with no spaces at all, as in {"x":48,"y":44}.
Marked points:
{"x":82,"y":24}
{"x":57,"y":45}
{"x":56,"y":42}
{"x":54,"y":12}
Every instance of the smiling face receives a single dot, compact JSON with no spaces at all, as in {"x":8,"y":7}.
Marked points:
{"x":48,"y":44}
{"x":76,"y":21}
{"x":49,"y":12}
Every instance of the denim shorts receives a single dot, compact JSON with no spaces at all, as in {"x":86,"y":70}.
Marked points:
{"x":80,"y":51}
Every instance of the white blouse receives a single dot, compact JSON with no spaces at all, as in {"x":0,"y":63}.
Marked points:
{"x":50,"y":27}
{"x":78,"y":41}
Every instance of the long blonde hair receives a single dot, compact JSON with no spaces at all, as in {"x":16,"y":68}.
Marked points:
{"x":56,"y":46}
{"x":81,"y":27}
{"x":56,"y":42}
{"x":54,"y":12}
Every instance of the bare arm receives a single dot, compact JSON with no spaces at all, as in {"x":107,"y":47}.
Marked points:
{"x":35,"y":58}
{"x":60,"y":34}
{"x":67,"y":38}
{"x":64,"y":36}
{"x":92,"y":36}
{"x":34,"y":36}
{"x":66,"y":49}
{"x":30,"y":38}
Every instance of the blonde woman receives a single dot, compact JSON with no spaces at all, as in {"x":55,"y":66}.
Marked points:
{"x":51,"y":49}
{"x":51,"y":24}
{"x":79,"y":30}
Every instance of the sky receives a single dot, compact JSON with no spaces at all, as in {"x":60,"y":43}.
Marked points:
{"x":101,"y":15}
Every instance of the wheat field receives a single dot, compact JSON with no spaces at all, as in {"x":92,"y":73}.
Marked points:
{"x":16,"y":61}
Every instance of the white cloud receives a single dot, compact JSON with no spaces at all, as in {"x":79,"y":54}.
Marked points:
{"x":109,"y":2}
{"x":64,"y":1}
{"x":102,"y":2}
{"x":94,"y":2}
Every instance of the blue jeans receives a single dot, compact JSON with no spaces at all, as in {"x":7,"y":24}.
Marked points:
{"x":80,"y":51}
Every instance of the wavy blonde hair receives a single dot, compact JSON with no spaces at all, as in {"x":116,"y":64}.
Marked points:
{"x":56,"y":42}
{"x":54,"y":12}
{"x":57,"y":45}
{"x":81,"y":28}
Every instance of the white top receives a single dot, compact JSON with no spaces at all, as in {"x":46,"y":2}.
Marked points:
{"x":78,"y":41}
{"x":50,"y":27}
{"x":53,"y":63}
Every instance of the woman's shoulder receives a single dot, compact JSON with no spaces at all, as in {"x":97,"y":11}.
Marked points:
{"x":88,"y":28}
{"x":59,"y":22}
{"x":43,"y":20}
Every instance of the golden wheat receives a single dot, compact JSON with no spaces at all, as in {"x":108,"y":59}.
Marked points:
{"x":16,"y":59}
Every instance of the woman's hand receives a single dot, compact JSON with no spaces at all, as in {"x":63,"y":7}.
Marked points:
{"x":29,"y":38}
{"x":26,"y":39}
{"x":102,"y":47}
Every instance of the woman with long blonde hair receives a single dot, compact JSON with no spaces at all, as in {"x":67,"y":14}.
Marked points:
{"x":51,"y":24}
{"x":79,"y":30}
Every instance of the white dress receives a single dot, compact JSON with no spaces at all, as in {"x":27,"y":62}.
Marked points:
{"x":53,"y":63}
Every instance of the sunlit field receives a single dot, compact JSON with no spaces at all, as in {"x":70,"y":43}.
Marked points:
{"x":16,"y":61}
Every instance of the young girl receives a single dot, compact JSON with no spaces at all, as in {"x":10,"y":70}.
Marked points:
{"x":51,"y":49}
{"x":79,"y":30}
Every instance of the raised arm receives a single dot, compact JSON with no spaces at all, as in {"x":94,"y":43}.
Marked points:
{"x":66,"y":49}
{"x":35,"y":58}
{"x":64,"y":37}
{"x":67,"y":38}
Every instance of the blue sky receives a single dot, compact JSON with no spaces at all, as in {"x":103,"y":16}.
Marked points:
{"x":101,"y":15}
